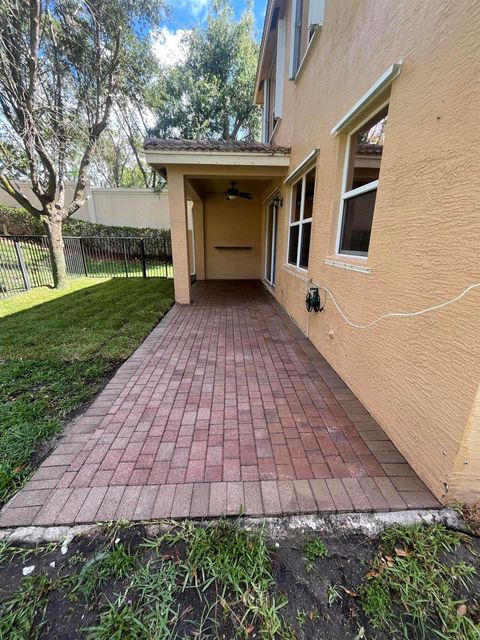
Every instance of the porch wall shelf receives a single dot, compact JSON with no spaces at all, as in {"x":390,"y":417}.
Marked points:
{"x":233,"y":248}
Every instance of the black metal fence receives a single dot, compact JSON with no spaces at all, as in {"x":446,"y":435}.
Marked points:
{"x":25,"y":260}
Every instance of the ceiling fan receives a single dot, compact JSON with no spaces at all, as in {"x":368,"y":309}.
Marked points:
{"x":233,"y":193}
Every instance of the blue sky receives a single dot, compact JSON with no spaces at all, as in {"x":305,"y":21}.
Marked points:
{"x":184,"y":14}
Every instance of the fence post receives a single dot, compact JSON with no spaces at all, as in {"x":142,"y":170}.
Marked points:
{"x":84,"y":260}
{"x":22,"y":264}
{"x":144,"y":265}
{"x":125,"y":258}
{"x":165,"y":257}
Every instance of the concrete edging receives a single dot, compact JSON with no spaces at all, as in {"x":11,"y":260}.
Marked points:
{"x":369,"y":524}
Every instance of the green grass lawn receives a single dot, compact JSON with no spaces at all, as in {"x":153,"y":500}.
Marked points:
{"x":56,"y":348}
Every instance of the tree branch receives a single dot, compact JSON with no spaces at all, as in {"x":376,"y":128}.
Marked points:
{"x":22,"y":200}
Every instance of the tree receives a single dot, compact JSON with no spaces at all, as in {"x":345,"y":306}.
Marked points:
{"x":210,"y":93}
{"x":64,"y":64}
{"x":117,"y":161}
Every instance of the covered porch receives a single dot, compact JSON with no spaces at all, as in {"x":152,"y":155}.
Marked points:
{"x":229,"y":188}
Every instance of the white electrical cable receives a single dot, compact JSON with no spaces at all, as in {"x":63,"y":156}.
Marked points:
{"x":400,"y":314}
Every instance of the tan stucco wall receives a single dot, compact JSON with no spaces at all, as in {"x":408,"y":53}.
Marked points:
{"x":233,"y":223}
{"x":419,"y":377}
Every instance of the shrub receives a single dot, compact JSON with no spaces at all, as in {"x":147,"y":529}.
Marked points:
{"x":17,"y":221}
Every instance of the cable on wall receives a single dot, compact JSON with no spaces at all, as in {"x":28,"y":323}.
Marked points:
{"x":399,"y":314}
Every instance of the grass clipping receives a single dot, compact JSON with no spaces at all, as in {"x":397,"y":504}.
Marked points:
{"x":411,"y":588}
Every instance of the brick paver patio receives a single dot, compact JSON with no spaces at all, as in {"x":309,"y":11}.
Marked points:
{"x":225,"y":407}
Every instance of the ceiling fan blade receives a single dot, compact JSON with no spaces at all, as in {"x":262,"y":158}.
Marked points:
{"x":247,"y":196}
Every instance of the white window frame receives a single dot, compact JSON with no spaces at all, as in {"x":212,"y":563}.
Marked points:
{"x":302,"y":221}
{"x":266,"y":111}
{"x":316,"y":11}
{"x":346,"y":195}
{"x":280,"y":69}
{"x":273,"y":257}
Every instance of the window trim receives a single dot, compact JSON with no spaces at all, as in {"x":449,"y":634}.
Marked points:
{"x":294,"y":41}
{"x":304,"y":167}
{"x":302,"y":221}
{"x":280,"y":69}
{"x":346,"y":195}
{"x":269,"y":124}
{"x":273,"y":258}
{"x":372,"y":94}
{"x":316,"y":10}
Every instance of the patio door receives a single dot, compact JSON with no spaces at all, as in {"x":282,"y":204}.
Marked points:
{"x":271,"y":243}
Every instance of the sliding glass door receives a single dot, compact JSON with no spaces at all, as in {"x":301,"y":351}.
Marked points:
{"x":271,"y":243}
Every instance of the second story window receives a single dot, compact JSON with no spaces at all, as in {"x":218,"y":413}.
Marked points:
{"x":303,"y":192}
{"x":269,"y":105}
{"x":273,"y":85}
{"x":307,"y":16}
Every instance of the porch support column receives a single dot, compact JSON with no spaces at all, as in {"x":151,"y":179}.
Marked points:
{"x":179,"y":232}
{"x":199,"y":238}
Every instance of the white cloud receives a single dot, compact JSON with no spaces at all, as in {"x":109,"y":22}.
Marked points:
{"x":167,"y":45}
{"x":195,"y":7}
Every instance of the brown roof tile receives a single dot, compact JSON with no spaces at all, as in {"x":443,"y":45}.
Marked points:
{"x":367,"y":149}
{"x":213,"y":145}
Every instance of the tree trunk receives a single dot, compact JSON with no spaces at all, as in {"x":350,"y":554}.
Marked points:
{"x":53,"y":230}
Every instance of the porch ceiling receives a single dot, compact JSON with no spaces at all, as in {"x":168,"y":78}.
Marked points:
{"x":212,"y":186}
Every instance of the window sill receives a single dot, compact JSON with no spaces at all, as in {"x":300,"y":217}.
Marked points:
{"x":297,"y":272}
{"x":306,"y":55}
{"x":348,"y":263}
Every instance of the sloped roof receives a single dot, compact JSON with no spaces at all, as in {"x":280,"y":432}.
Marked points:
{"x":368,"y":149}
{"x":157,"y":144}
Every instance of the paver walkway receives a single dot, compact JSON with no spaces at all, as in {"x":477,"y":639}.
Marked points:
{"x":226,"y":406}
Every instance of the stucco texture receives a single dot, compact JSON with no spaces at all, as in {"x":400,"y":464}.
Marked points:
{"x":419,"y":376}
{"x":235,"y":223}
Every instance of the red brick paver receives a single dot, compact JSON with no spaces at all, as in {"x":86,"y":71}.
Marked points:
{"x":225,"y":408}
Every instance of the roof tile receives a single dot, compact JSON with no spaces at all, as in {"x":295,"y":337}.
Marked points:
{"x":213,"y":145}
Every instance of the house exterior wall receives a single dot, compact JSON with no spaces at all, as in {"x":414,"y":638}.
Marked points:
{"x":233,"y":223}
{"x":419,"y":377}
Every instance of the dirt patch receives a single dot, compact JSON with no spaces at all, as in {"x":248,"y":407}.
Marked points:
{"x":315,"y":600}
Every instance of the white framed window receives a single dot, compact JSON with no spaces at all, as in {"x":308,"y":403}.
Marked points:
{"x":363,"y":157}
{"x":300,"y":227}
{"x":269,"y":119}
{"x":273,"y":86}
{"x":307,"y":17}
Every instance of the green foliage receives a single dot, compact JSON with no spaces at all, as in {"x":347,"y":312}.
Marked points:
{"x":238,"y":564}
{"x":116,"y":562}
{"x":120,"y":621}
{"x":334,"y":594}
{"x":17,"y":221}
{"x":313,"y":549}
{"x":56,"y":348}
{"x":146,"y":610}
{"x":410,"y":590}
{"x":62,"y":73}
{"x":210,"y":94}
{"x":22,"y":615}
